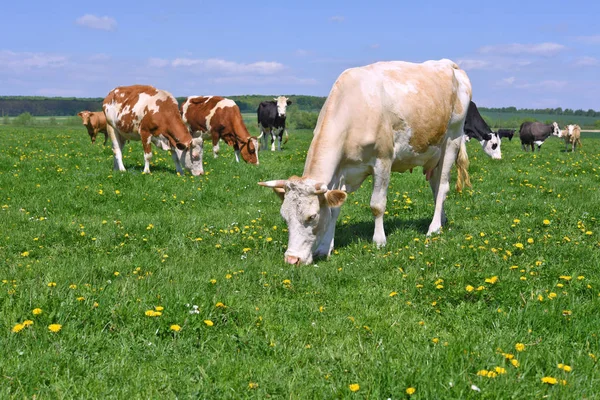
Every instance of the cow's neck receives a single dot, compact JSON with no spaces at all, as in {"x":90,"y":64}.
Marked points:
{"x":324,"y":156}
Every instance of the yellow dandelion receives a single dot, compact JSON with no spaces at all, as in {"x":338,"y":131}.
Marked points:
{"x":72,"y":286}
{"x":175,"y":328}
{"x":213,"y":281}
{"x":393,"y":294}
{"x":287,"y":282}
{"x":469,"y":288}
{"x":435,"y":340}
{"x":515,"y":362}
{"x":546,"y":222}
{"x":54,"y":327}
{"x":492,"y":280}
{"x":519,"y":246}
{"x":28,"y":322}
{"x":252,"y":385}
{"x":220,"y":305}
{"x":159,"y":308}
{"x":549,"y":380}
{"x":25,"y":254}
{"x":530,"y":240}
{"x":152,"y":313}
{"x":355,"y":387}
{"x":228,"y":276}
{"x":410,"y":391}
{"x":116,"y":273}
{"x":483,"y":372}
{"x":520,"y":347}
{"x":81,"y":298}
{"x":500,"y":370}
{"x":18,"y":328}
{"x":208,"y":322}
{"x":552,"y":295}
{"x":566,"y":277}
{"x":51,"y":284}
{"x":37,"y":311}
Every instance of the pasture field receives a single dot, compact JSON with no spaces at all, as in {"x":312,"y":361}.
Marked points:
{"x":167,"y":286}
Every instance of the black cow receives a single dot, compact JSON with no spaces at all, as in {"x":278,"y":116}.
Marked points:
{"x":532,"y":133}
{"x":271,"y":120}
{"x":509,"y":133}
{"x":477,"y":128}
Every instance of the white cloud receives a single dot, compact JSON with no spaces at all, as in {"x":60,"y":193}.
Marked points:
{"x":586,"y":62}
{"x":540,"y":49}
{"x":593,"y":39}
{"x":545,"y":85}
{"x":222,"y":66}
{"x":337,"y":18}
{"x":95,"y":22}
{"x":470,"y":64}
{"x":508,"y":81}
{"x":18,"y":61}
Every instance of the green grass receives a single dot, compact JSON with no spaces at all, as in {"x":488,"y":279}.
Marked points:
{"x":68,"y":219}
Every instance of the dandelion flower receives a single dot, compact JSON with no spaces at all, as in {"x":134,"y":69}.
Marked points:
{"x":18,"y":328}
{"x":515,"y":362}
{"x":213,"y":281}
{"x":492,"y":280}
{"x":519,"y":246}
{"x":51,"y":284}
{"x":220,"y":305}
{"x":252,"y":385}
{"x":393,"y":294}
{"x":355,"y":387}
{"x":549,"y":380}
{"x":208,"y":322}
{"x":159,"y":308}
{"x":54,"y":327}
{"x":469,"y":288}
{"x":435,"y":340}
{"x":546,"y":222}
{"x":410,"y":391}
{"x":37,"y":311}
{"x":519,"y":347}
{"x":28,"y":322}
{"x":175,"y":328}
{"x":500,"y":370}
{"x":73,"y":286}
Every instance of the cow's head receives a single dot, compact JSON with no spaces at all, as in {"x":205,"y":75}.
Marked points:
{"x":491,"y":147}
{"x":306,"y":209}
{"x":282,"y":103}
{"x":249,"y":149}
{"x":556,"y":131}
{"x":86,"y":118}
{"x":189,"y":157}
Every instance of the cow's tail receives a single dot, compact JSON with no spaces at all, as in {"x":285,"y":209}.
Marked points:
{"x":462,"y":166}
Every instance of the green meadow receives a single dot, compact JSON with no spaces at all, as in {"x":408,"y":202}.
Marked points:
{"x":167,"y":286}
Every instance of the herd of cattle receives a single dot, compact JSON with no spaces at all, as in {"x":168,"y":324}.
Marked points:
{"x":380,"y":118}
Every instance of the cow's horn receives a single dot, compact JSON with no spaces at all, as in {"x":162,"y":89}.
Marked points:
{"x":273,"y":184}
{"x":320,"y":188}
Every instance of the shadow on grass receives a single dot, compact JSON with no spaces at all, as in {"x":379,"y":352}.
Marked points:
{"x":348,"y":234}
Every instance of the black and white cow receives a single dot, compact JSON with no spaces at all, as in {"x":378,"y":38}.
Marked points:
{"x":271,"y":120}
{"x":509,"y":133}
{"x":536,"y":133}
{"x":476,"y":128}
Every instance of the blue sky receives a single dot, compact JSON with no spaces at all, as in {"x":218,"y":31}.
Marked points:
{"x":517,"y":53}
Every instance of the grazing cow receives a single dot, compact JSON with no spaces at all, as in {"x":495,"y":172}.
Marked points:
{"x":220,"y":118}
{"x":509,"y":133}
{"x":477,"y":128}
{"x":94,"y":122}
{"x":572,"y":135}
{"x":536,"y":133}
{"x":384,"y":117}
{"x":151,"y":115}
{"x":271,"y":120}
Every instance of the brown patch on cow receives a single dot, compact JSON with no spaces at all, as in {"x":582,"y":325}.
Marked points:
{"x":430,"y":115}
{"x":225,"y":123}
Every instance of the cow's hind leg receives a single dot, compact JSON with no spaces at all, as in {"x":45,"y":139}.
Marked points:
{"x":146,"y":144}
{"x":381,"y":180}
{"x":440,"y":182}
{"x":118,"y":144}
{"x":273,"y":134}
{"x":215,"y":142}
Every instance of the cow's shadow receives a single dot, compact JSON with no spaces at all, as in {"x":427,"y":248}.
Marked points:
{"x":345,"y":235}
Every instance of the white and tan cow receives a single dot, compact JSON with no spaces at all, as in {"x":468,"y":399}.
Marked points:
{"x":572,"y":136}
{"x":95,"y":122}
{"x":148,"y":114}
{"x":384,"y":117}
{"x":218,"y":118}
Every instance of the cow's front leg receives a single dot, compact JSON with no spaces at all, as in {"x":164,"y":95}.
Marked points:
{"x":381,"y":180}
{"x":273,"y":133}
{"x":146,"y":141}
{"x":280,"y":136}
{"x":236,"y":150}
{"x":118,"y":144}
{"x":326,"y":246}
{"x":440,"y":183}
{"x":215,"y":143}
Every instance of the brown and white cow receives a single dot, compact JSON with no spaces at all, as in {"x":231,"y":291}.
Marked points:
{"x":384,"y":117}
{"x":148,"y":114}
{"x":220,"y":118}
{"x":572,"y":135}
{"x":94,"y":122}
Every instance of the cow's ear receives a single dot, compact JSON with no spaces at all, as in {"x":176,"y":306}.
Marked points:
{"x":80,"y":113}
{"x":289,"y":102}
{"x":279,"y":192}
{"x":335,"y":198}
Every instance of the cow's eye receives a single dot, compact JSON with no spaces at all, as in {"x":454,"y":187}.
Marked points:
{"x":311,"y":218}
{"x":494,"y":146}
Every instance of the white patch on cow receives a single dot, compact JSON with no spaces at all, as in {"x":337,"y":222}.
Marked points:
{"x":221,"y":104}
{"x":557,"y":131}
{"x":281,"y":105}
{"x":570,"y":129}
{"x":492,"y":147}
{"x":538,"y":142}
{"x":408,"y":87}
